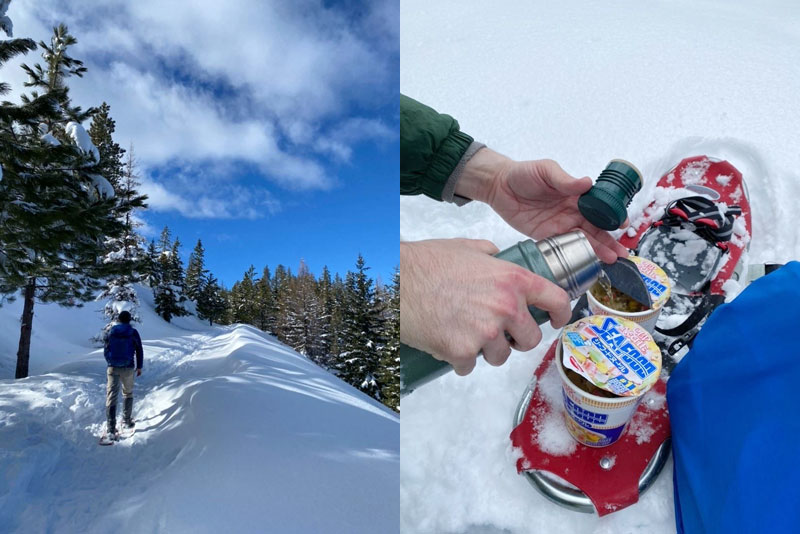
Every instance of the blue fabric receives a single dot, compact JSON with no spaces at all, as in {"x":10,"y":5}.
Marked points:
{"x":120,"y":346}
{"x":735,"y":414}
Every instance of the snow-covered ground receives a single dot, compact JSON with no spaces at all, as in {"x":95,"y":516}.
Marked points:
{"x":235,"y":433}
{"x":582,"y":83}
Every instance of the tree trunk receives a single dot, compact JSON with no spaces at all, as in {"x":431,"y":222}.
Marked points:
{"x":24,"y":352}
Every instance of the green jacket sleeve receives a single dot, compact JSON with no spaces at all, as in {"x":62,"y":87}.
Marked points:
{"x":431,"y":145}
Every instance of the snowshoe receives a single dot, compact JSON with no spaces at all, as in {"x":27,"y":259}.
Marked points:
{"x":578,"y":477}
{"x":697,"y":230}
{"x":127,"y":430}
{"x":108,"y":438}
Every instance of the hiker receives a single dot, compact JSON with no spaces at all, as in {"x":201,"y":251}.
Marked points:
{"x":121,"y":343}
{"x":455,"y":299}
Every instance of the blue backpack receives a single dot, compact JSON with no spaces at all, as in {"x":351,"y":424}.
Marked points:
{"x":120,"y":348}
{"x":733,"y":412}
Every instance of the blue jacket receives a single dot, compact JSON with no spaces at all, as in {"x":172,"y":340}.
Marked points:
{"x":733,"y":411}
{"x":122,"y":342}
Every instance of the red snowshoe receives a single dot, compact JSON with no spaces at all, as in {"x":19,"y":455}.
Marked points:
{"x":124,"y":432}
{"x":696,"y":229}
{"x":108,"y":438}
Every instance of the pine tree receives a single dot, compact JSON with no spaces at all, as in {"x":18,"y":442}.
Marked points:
{"x":152,"y":273}
{"x":281,"y":289}
{"x":57,"y":210}
{"x":336,"y":336}
{"x":101,"y":132}
{"x":302,"y":325}
{"x":132,"y":242}
{"x":325,"y":298}
{"x":389,"y":365}
{"x":211,"y":301}
{"x":266,"y":303}
{"x":9,"y":49}
{"x":358,"y":363}
{"x":195,"y":271}
{"x":11,"y":144}
{"x":227,"y":315}
{"x":291,"y":321}
{"x":125,"y":259}
{"x":176,"y":271}
{"x":178,"y":278}
{"x":243,"y":299}
{"x":168,"y":269}
{"x":163,"y":295}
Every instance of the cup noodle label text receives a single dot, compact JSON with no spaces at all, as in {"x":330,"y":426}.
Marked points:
{"x":613,"y":353}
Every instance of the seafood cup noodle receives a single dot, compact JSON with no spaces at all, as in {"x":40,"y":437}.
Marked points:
{"x":659,"y":287}
{"x":604,"y":355}
{"x":656,"y":280}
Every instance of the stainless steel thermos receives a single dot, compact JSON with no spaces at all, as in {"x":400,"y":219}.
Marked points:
{"x":567,"y":260}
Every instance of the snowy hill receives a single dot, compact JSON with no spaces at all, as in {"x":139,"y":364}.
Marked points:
{"x":235,"y":433}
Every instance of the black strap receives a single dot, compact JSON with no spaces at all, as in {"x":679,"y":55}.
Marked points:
{"x":684,"y":341}
{"x":701,"y":311}
{"x":702,"y":216}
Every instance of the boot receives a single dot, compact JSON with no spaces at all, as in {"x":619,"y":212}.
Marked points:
{"x":127,"y":414}
{"x":111,"y":417}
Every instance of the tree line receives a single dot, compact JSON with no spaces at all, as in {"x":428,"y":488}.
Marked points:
{"x":349,"y":325}
{"x":68,"y":233}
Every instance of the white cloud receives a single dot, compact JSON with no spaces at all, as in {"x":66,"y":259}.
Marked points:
{"x":143,"y":227}
{"x":264,"y":82}
{"x":339,"y":141}
{"x":359,"y":128}
{"x":159,"y":199}
{"x":340,"y":151}
{"x":174,"y":123}
{"x":228,"y":201}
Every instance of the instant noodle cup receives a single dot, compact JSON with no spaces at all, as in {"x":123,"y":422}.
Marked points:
{"x":658,"y":285}
{"x":606,"y":365}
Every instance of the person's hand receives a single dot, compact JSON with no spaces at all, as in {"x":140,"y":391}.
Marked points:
{"x":535,"y":197}
{"x":456,"y":300}
{"x":139,"y":372}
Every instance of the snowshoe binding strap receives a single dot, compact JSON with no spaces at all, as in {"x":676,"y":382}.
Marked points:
{"x":704,"y":217}
{"x":690,"y":265}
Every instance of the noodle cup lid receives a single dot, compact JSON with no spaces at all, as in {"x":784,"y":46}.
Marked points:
{"x":614,"y":354}
{"x":656,"y":280}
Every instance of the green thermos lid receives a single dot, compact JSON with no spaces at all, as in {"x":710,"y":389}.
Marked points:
{"x":605,"y":205}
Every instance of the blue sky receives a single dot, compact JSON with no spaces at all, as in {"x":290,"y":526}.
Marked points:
{"x":268,"y":129}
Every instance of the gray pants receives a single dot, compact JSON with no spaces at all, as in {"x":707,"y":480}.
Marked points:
{"x":117,"y":375}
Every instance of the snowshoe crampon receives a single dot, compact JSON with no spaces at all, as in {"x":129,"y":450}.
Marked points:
{"x":697,"y":230}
